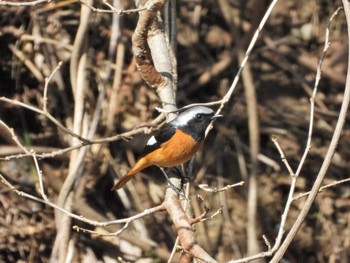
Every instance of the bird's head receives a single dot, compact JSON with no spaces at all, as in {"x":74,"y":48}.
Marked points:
{"x":195,"y":121}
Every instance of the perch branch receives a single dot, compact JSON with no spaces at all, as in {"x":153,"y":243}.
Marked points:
{"x":184,"y":228}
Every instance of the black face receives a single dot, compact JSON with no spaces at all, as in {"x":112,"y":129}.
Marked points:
{"x":197,"y":125}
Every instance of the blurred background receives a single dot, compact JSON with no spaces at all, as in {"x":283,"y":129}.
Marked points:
{"x":210,"y":37}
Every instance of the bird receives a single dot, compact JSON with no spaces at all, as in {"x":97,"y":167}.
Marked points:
{"x":175,"y":143}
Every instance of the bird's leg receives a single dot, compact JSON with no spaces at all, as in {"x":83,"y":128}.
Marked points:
{"x":187,"y":171}
{"x":177,"y":190}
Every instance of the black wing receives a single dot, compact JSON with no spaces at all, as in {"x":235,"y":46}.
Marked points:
{"x":165,"y":133}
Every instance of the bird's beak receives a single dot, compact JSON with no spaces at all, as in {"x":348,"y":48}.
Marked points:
{"x":216,"y":116}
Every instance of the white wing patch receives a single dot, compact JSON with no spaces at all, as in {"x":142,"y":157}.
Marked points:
{"x":152,"y":141}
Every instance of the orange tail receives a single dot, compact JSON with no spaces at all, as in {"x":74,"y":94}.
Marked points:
{"x":139,"y":166}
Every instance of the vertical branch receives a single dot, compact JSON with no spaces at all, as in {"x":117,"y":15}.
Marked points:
{"x":294,"y":175}
{"x":140,"y":46}
{"x":254,"y":144}
{"x":170,"y":30}
{"x":113,"y":101}
{"x":252,"y":112}
{"x":254,"y":141}
{"x":328,"y":158}
{"x":116,"y":51}
{"x":154,"y":63}
{"x":78,"y":82}
{"x":79,"y":42}
{"x":152,"y":55}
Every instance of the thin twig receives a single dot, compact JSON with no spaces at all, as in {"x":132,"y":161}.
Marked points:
{"x":116,"y":233}
{"x":29,"y":3}
{"x":47,"y":81}
{"x":40,"y":40}
{"x":328,"y":158}
{"x":283,"y":157}
{"x":80,"y":217}
{"x":29,"y":64}
{"x":252,"y":43}
{"x":113,"y":10}
{"x":267,"y":242}
{"x":85,"y":141}
{"x":30,"y":153}
{"x":322,"y":188}
{"x":205,"y":187}
{"x":277,"y":246}
{"x":217,"y":212}
{"x":47,"y":115}
{"x":205,"y":211}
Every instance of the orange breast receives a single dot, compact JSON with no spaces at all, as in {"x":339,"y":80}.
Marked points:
{"x":179,"y":149}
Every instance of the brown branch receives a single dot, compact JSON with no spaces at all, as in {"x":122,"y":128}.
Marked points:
{"x":140,"y":47}
{"x":253,"y":121}
{"x":153,"y":58}
{"x":254,"y":144}
{"x":79,"y":82}
{"x":29,"y":64}
{"x":79,"y":45}
{"x":184,"y":229}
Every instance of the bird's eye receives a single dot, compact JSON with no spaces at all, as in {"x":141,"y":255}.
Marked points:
{"x":199,"y":116}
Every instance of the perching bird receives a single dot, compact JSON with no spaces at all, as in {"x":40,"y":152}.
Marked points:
{"x":176,"y":142}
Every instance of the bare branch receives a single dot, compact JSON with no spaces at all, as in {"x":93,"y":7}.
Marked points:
{"x":283,"y":157}
{"x":277,"y":246}
{"x":85,"y":142}
{"x":29,"y":3}
{"x":140,"y":46}
{"x":47,"y":81}
{"x":183,"y":226}
{"x":205,"y":187}
{"x":335,"y":183}
{"x":29,"y":64}
{"x":328,"y":158}
{"x":80,"y":217}
{"x":47,"y":115}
